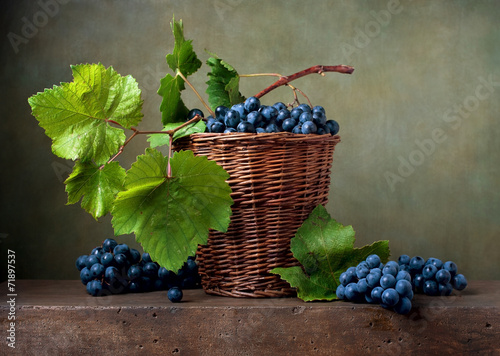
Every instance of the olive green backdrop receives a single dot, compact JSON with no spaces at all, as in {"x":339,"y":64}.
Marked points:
{"x":419,"y":159}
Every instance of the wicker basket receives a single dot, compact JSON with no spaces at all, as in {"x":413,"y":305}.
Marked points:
{"x":277,"y":179}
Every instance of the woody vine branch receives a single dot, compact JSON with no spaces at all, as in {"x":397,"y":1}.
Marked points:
{"x":283,"y":80}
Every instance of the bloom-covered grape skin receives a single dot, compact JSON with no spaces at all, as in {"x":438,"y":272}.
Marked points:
{"x":130,"y":271}
{"x":393,"y":284}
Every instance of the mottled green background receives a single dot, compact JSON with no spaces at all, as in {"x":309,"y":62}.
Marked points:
{"x":419,"y":158}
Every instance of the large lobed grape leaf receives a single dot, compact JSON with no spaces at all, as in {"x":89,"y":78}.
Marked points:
{"x":183,"y":59}
{"x":325,"y":248}
{"x":223,"y":84}
{"x":76,"y":115}
{"x":171,"y":215}
{"x":97,"y":185}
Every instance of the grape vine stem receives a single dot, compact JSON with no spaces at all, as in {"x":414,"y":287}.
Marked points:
{"x":319,"y":69}
{"x":283,"y":80}
{"x":171,"y":133}
{"x":196,"y":93}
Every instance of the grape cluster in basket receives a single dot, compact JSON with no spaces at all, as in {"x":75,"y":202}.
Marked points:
{"x":250,"y":116}
{"x":392,"y":285}
{"x":114,"y":268}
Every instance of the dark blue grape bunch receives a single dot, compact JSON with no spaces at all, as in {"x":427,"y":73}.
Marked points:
{"x":114,"y":268}
{"x":432,"y":276}
{"x":253,"y":117}
{"x":393,"y":285}
{"x":373,"y":282}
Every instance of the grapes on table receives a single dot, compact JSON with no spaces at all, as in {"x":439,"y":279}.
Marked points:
{"x":114,"y":268}
{"x":174,"y":294}
{"x":393,"y":285}
{"x":253,"y":117}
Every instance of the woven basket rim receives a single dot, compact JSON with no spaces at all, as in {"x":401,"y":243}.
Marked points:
{"x":288,"y":136}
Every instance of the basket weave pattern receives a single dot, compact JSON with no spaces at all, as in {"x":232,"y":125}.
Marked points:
{"x":277,"y":179}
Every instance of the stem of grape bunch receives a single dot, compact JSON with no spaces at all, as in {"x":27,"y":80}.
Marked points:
{"x":284,"y":80}
{"x":171,"y":133}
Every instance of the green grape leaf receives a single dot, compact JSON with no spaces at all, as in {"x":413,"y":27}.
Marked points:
{"x":77,"y":115}
{"x":183,"y":60}
{"x":171,"y":215}
{"x":183,"y":57}
{"x":325,"y":249}
{"x":223,"y":84}
{"x":156,"y":140}
{"x":172,"y":107}
{"x":98,"y":186}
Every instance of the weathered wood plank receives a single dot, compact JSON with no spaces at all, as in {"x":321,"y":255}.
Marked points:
{"x":59,"y":318}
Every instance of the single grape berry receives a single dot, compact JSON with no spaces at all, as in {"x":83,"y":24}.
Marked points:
{"x":305,"y":108}
{"x":220,"y":111}
{"x":272,"y":128}
{"x":435,"y":262}
{"x":362,"y":270}
{"x":340,"y":291}
{"x":255,"y":118}
{"x":403,"y":275}
{"x":245,"y":126}
{"x":418,"y":282}
{"x":192,"y":113}
{"x":430,"y":287}
{"x":108,"y":245}
{"x":376,"y":294}
{"x":217,"y":127}
{"x":445,"y":289}
{"x":403,"y":306}
{"x":92,"y":260}
{"x":309,"y":127}
{"x":390,"y":297}
{"x":135,"y":256}
{"x":232,"y":119}
{"x":122,"y":248}
{"x":319,"y":118}
{"x":390,"y":269}
{"x":404,"y":260}
{"x":373,"y":261}
{"x":451,"y":267}
{"x":252,"y":104}
{"x":240,"y":108}
{"x":295,"y":113}
{"x":150,"y":269}
{"x":269,"y":113}
{"x":85,"y":275}
{"x":107,"y":259}
{"x":351,"y":291}
{"x":81,"y":262}
{"x":404,"y":287}
{"x":174,"y":294}
{"x":334,"y":126}
{"x":94,"y":288}
{"x":459,"y":282}
{"x":429,"y":271}
{"x":373,"y":279}
{"x":416,"y":264}
{"x":283,"y":114}
{"x":318,"y":109}
{"x":387,"y":281}
{"x":134,"y":272}
{"x":443,"y":276}
{"x":362,"y":286}
{"x":97,"y":270}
